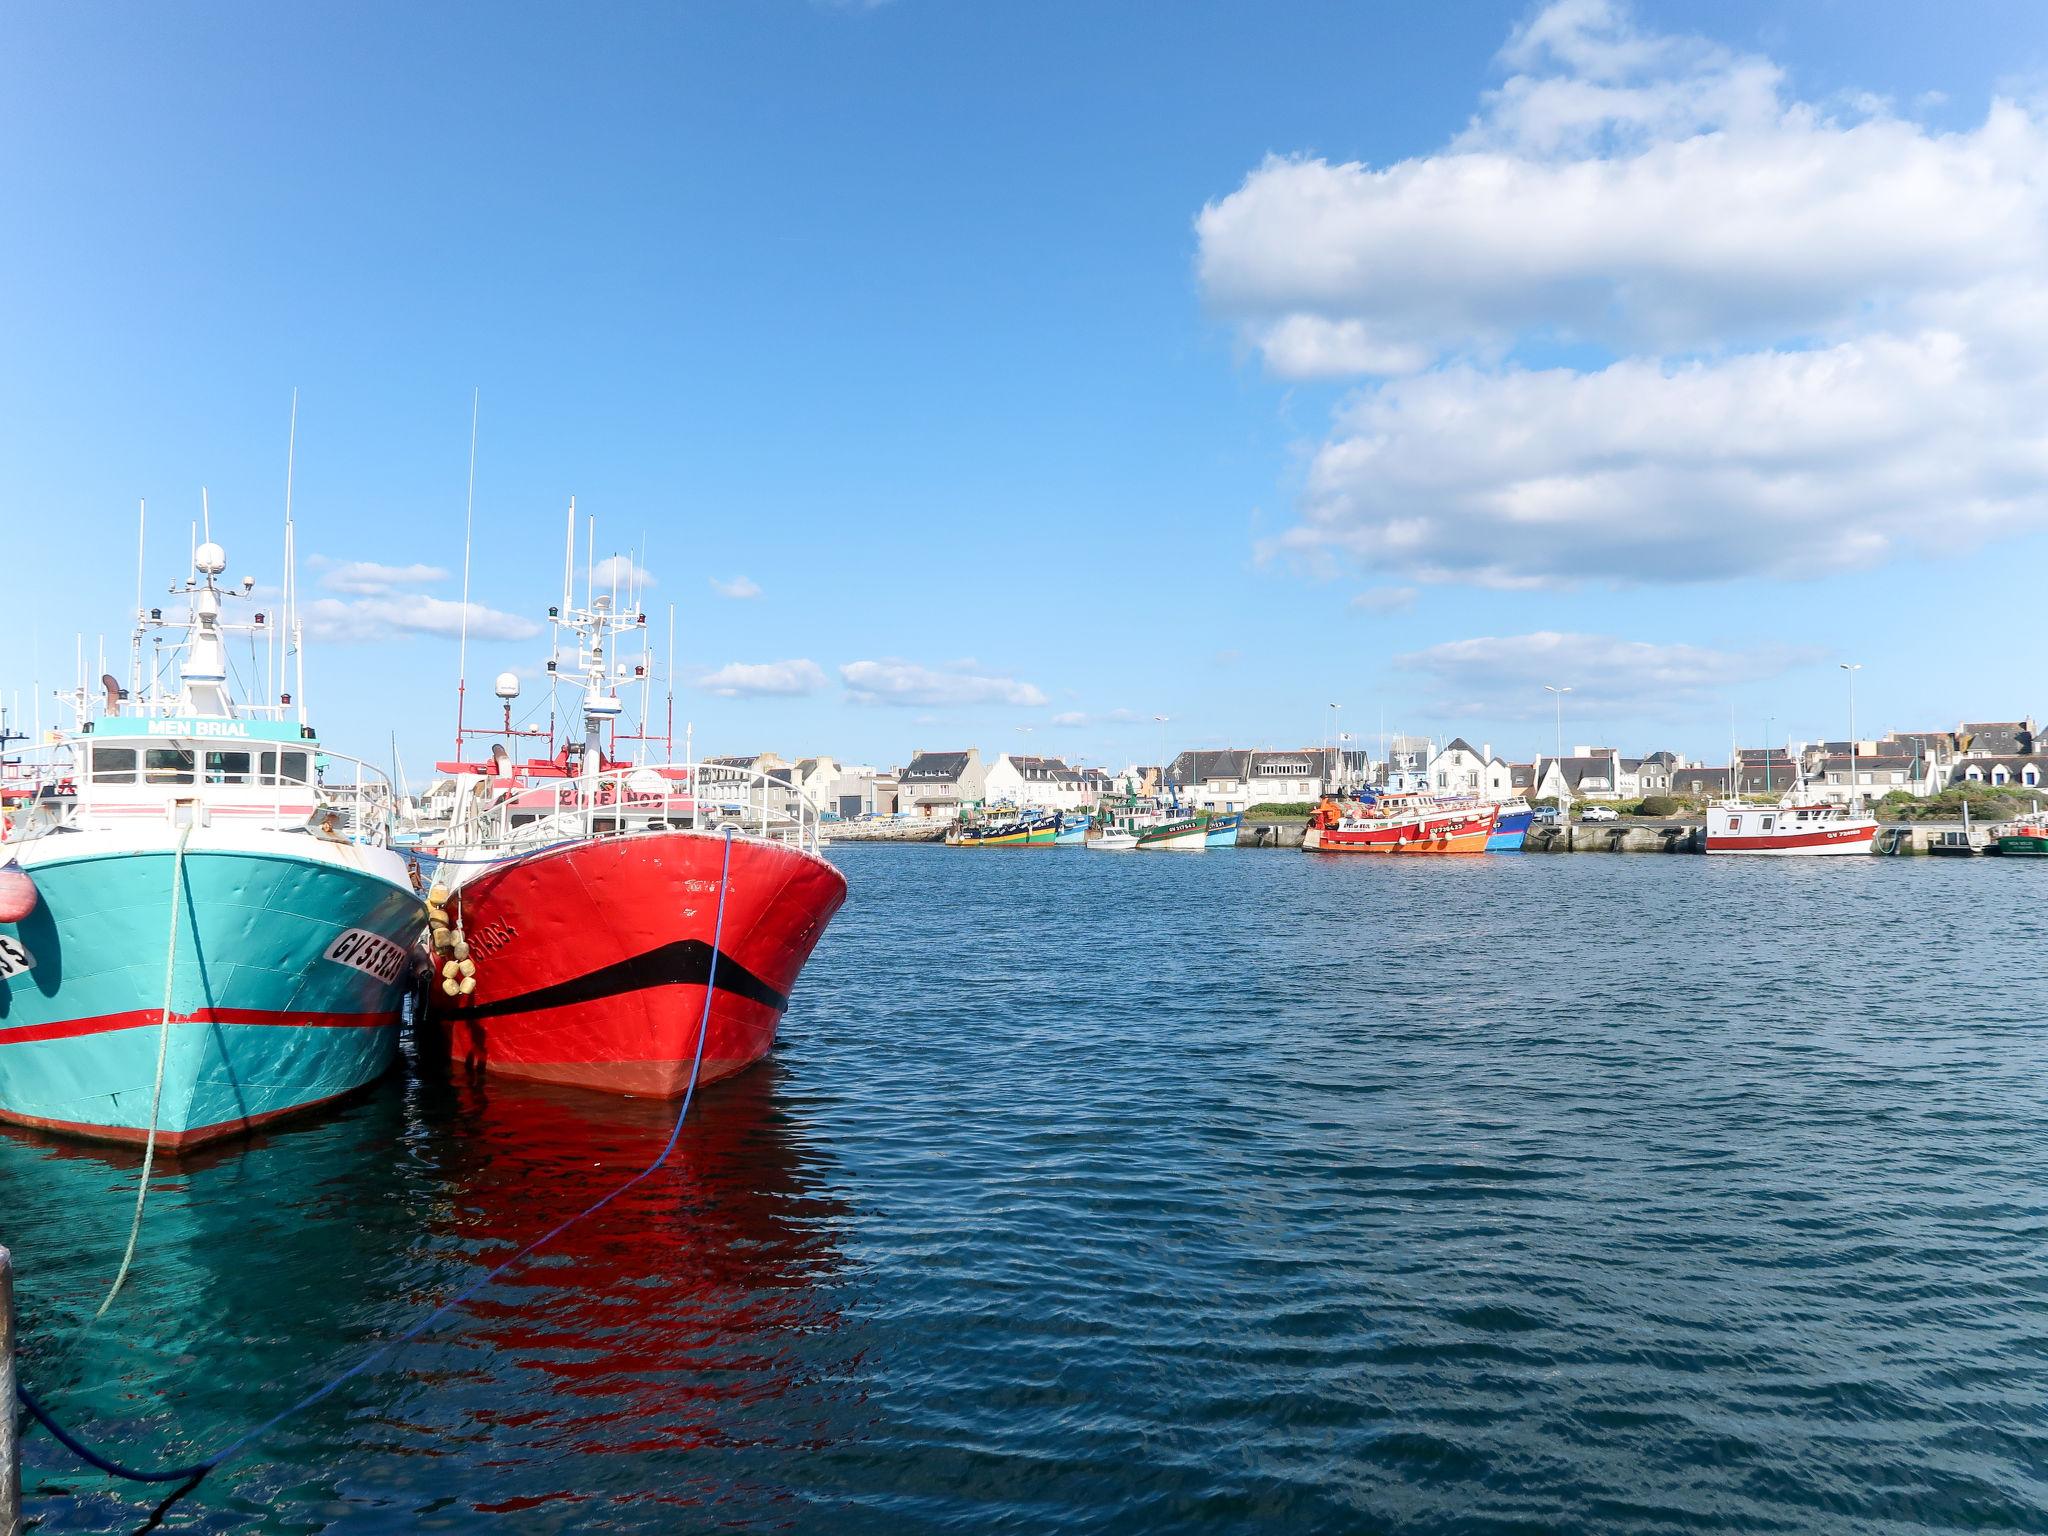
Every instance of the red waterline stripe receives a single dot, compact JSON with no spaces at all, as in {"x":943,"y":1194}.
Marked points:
{"x":108,"y":1023}
{"x":175,"y":1141}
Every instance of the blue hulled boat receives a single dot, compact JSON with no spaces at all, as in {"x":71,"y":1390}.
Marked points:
{"x":203,"y":926}
{"x":1223,"y":829}
{"x":1511,"y":828}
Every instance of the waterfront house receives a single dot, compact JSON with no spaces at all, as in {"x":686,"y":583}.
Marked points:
{"x":1459,"y":768}
{"x":1048,"y":782}
{"x":1997,"y":738}
{"x":815,"y":776}
{"x":1590,"y":773}
{"x":2026,"y":772}
{"x":1234,"y":779}
{"x":936,"y":785}
{"x":859,"y":789}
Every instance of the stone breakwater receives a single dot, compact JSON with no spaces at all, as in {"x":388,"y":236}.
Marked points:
{"x":885,"y":831}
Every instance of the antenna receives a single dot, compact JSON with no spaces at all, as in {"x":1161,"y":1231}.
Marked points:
{"x":135,"y":646}
{"x":206,"y":513}
{"x":589,"y":559}
{"x":468,"y":521}
{"x":291,"y":451}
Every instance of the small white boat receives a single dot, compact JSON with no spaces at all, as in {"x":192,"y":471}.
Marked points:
{"x":1788,"y":827}
{"x":1115,"y":842}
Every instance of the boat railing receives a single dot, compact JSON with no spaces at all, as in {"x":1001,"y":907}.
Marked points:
{"x":357,"y":796}
{"x":648,"y":797}
{"x":60,"y":785}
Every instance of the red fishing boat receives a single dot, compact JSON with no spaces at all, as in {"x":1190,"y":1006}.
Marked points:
{"x":1400,"y":823}
{"x":582,"y":904}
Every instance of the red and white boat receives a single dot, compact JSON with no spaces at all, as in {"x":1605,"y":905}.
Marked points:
{"x":577,"y":903}
{"x":1789,"y":827}
{"x":1400,"y":823}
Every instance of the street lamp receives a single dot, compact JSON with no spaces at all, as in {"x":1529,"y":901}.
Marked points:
{"x":1329,"y":730}
{"x":1560,"y":693}
{"x":1770,"y":721}
{"x":1162,"y":755}
{"x":1852,"y":668}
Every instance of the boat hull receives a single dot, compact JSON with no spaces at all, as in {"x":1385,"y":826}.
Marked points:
{"x":285,"y":989}
{"x":1510,"y":832}
{"x":1831,"y":840}
{"x":1223,"y":831}
{"x":1022,"y":837}
{"x":592,"y":958}
{"x":1189,"y":835}
{"x":2023,"y":847}
{"x":1391,"y":840}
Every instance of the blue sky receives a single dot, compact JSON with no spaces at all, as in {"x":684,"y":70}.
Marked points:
{"x":912,"y":317}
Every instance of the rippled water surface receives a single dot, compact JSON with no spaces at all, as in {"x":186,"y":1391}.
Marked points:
{"x":1242,"y":1192}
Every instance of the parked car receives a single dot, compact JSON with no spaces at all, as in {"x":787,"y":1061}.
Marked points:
{"x":1599,"y":813}
{"x":1546,"y":814}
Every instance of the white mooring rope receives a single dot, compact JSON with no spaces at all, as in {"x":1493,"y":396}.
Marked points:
{"x":163,"y":1048}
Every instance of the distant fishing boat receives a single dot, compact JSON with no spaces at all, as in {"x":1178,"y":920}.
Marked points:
{"x":1027,"y":829}
{"x":2024,"y":840}
{"x":1187,"y":832}
{"x":1223,"y":829}
{"x":203,"y":927}
{"x":1115,"y":842}
{"x":1404,"y":823}
{"x":1074,"y":828}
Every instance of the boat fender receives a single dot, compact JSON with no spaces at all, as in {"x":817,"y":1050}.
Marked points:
{"x":17,"y":893}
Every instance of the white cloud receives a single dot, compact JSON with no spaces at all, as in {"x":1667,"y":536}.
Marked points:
{"x":619,"y":570}
{"x":370,"y":579}
{"x":739,"y":587}
{"x":1503,"y":677}
{"x":1803,"y":337}
{"x":758,"y":679}
{"x":1384,"y":600}
{"x":956,"y":683}
{"x":345,"y":621}
{"x":1083,"y":717}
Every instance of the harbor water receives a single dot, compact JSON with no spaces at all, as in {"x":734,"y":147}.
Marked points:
{"x":1241,"y":1192}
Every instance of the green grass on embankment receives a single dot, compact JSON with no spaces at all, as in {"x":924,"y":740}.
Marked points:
{"x":1291,"y":810}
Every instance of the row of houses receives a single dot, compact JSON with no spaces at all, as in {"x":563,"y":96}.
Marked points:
{"x":941,"y":784}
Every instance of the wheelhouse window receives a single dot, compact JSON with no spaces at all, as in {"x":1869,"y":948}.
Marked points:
{"x":168,"y":765}
{"x":1767,"y":823}
{"x":284,"y":767}
{"x":113,"y":765}
{"x":1734,"y":823}
{"x":227,"y":768}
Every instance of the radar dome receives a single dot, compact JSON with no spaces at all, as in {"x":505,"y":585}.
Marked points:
{"x":508,"y":685}
{"x":209,"y":559}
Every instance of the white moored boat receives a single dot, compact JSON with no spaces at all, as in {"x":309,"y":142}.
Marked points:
{"x":1788,"y":827}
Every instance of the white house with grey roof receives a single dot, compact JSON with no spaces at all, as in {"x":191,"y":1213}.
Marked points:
{"x":1235,"y":778}
{"x":937,"y":784}
{"x":1459,"y":768}
{"x":1047,"y":782}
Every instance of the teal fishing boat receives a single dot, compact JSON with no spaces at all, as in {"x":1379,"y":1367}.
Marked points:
{"x":203,"y":926}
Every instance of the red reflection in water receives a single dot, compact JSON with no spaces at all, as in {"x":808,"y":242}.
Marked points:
{"x":696,"y":1309}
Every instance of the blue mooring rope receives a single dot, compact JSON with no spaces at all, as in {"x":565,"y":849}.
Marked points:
{"x":199,"y":1469}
